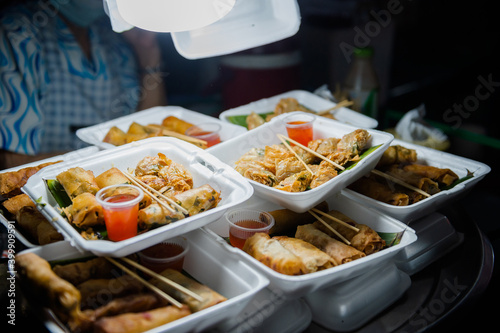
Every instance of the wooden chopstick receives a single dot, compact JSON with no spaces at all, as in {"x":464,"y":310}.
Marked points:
{"x":329,"y":227}
{"x":333,"y":218}
{"x":400,"y":182}
{"x":296,"y":155}
{"x":162,"y":278}
{"x":339,"y":105}
{"x":281,"y":136}
{"x":145,"y":283}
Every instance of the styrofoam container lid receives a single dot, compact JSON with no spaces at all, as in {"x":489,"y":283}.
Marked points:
{"x":96,"y":133}
{"x":459,"y":165}
{"x":307,"y":99}
{"x":208,"y":264}
{"x":230,"y":151}
{"x":64,"y":157}
{"x":205,"y":169}
{"x":300,"y":285}
{"x":249,"y":24}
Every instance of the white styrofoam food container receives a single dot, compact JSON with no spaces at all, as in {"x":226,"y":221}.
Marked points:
{"x":307,"y":99}
{"x":298,"y":286}
{"x":230,"y":151}
{"x":65,"y":157}
{"x":96,"y":133}
{"x":249,"y":24}
{"x":208,"y":264}
{"x":438,"y":159}
{"x":204,"y":168}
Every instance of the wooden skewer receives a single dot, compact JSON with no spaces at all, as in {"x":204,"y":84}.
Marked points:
{"x":296,"y":155}
{"x":329,"y":227}
{"x":163,"y":131}
{"x":162,"y":278}
{"x":339,"y":105}
{"x":155,"y":192}
{"x":144,"y":188}
{"x":146,"y":283}
{"x":400,"y":182}
{"x":333,"y":218}
{"x":281,"y":136}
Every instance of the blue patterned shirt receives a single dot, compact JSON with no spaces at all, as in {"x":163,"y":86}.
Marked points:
{"x":49,"y":88}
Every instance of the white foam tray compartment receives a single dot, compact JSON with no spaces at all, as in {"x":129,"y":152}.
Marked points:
{"x":204,"y":168}
{"x":65,"y":157}
{"x":230,"y":151}
{"x":249,"y":24}
{"x":96,"y":133}
{"x":308,"y":99}
{"x":298,"y":286}
{"x":439,"y":159}
{"x":209,"y":265}
{"x":348,"y":306}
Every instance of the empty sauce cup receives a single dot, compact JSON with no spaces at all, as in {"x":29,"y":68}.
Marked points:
{"x":244,"y":223}
{"x":120,"y":205}
{"x":300,"y":127}
{"x":167,"y":254}
{"x":208,"y":132}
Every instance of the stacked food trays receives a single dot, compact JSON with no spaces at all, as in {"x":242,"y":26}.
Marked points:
{"x":246,"y":282}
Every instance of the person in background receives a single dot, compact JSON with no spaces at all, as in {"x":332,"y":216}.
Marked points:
{"x":62,"y":67}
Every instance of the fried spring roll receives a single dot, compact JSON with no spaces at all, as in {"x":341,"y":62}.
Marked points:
{"x":14,"y":204}
{"x":140,"y":322}
{"x":442,"y":176}
{"x":397,"y":154}
{"x":175,"y":124}
{"x":77,"y":181}
{"x":271,"y":253}
{"x":85,"y":212}
{"x":312,"y":257}
{"x":339,"y":251}
{"x":81,"y":271}
{"x":48,"y":288}
{"x":370,"y":187}
{"x":210,"y":297}
{"x":365,"y":240}
{"x":113,"y":176}
{"x":424,"y":183}
{"x":199,"y":199}
{"x":37,"y":226}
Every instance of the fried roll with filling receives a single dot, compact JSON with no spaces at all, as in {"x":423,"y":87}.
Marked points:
{"x":37,"y":226}
{"x":298,"y":182}
{"x":85,"y":211}
{"x":442,"y":176}
{"x":424,"y":183}
{"x":199,"y":199}
{"x":397,"y":154}
{"x":271,"y":253}
{"x":76,"y":181}
{"x":98,"y":292}
{"x":140,"y":322}
{"x":175,"y":124}
{"x":14,"y":204}
{"x":370,"y":187}
{"x":79,"y":272}
{"x":365,"y":240}
{"x":339,"y":251}
{"x":311,"y":256}
{"x":113,"y":176}
{"x":48,"y":288}
{"x":156,"y":215}
{"x":286,"y":220}
{"x":210,"y":297}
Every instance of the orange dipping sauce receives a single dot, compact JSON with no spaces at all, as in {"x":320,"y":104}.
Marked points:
{"x":206,"y":132}
{"x":121,"y":223}
{"x":300,"y":131}
{"x":238,"y":236}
